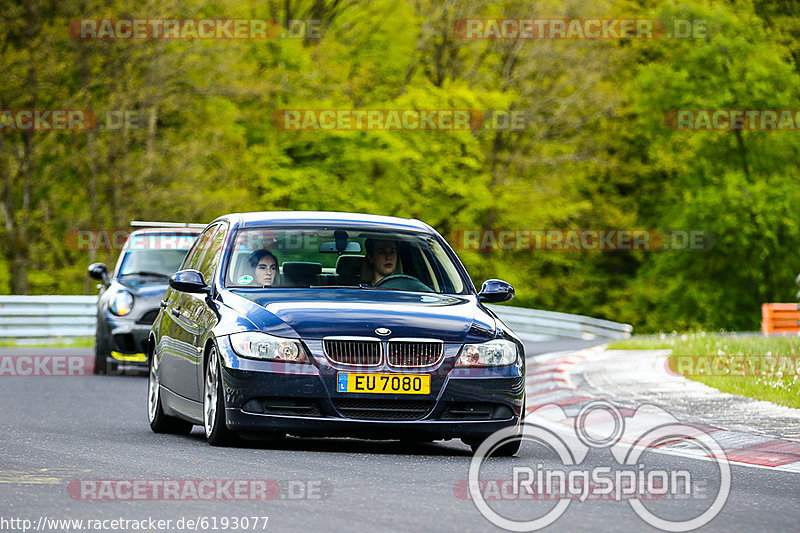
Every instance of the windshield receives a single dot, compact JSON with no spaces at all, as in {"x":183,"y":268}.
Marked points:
{"x":155,"y":254}
{"x":341,"y":257}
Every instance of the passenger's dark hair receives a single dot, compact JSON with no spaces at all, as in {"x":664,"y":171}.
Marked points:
{"x":258,"y":255}
{"x":369,"y":244}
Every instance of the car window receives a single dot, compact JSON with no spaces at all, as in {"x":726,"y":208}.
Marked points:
{"x":212,"y":254}
{"x":445,"y":270}
{"x":195,"y":255}
{"x":340,"y":257}
{"x":155,"y":253}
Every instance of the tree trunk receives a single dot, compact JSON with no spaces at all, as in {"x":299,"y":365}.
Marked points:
{"x":17,"y":219}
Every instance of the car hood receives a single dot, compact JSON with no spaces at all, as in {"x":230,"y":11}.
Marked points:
{"x":318,"y":313}
{"x":144,"y":286}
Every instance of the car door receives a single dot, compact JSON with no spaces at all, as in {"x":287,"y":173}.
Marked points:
{"x":192,"y":320}
{"x":203,"y":317}
{"x":179,"y":355}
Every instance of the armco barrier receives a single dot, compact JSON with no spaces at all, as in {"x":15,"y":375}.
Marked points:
{"x":536,"y":325}
{"x":780,"y":318}
{"x":41,"y":317}
{"x":44,"y":317}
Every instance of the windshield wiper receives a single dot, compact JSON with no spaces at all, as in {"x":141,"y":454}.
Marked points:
{"x":146,"y":273}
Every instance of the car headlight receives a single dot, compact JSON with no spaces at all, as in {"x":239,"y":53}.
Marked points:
{"x":121,"y":303}
{"x":498,"y":352}
{"x":259,"y":345}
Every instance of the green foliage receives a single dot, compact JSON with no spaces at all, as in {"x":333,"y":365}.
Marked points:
{"x":742,"y":187}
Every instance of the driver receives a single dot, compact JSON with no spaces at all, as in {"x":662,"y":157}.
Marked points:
{"x":382,"y":257}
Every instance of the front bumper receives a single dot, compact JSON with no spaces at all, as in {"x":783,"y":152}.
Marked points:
{"x":252,"y":424}
{"x":302,"y":399}
{"x":127,"y":341}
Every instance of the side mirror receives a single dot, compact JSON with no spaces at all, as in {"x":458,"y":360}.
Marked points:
{"x":188,"y":280}
{"x":495,"y":291}
{"x":99,"y":271}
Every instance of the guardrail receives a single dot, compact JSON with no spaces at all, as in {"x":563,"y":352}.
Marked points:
{"x":536,"y":325}
{"x":50,"y":317}
{"x":47,"y":317}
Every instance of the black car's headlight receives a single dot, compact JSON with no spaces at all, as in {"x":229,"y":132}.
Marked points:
{"x":121,"y":303}
{"x":497,"y":352}
{"x":257,"y":345}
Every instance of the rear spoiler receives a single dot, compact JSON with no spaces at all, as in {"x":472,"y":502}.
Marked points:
{"x":142,"y":224}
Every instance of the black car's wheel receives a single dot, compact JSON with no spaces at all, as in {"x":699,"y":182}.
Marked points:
{"x":100,"y":353}
{"x":160,"y":422}
{"x":506,"y":450}
{"x":217,"y":431}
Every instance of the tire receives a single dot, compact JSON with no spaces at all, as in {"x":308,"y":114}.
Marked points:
{"x":217,"y":432}
{"x":160,"y":422}
{"x":506,"y":450}
{"x":100,"y":353}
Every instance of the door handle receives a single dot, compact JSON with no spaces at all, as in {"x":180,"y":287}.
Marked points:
{"x":176,"y":311}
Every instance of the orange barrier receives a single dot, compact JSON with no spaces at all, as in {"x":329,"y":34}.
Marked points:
{"x":780,"y":318}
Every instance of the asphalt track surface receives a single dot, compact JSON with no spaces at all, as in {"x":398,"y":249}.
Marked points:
{"x":56,"y":430}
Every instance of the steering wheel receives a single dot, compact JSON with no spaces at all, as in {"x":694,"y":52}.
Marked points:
{"x":403,"y":282}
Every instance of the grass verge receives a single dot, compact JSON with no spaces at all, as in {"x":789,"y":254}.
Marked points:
{"x":64,"y":342}
{"x":764,"y":368}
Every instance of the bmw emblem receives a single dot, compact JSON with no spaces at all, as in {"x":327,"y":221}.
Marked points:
{"x":383,"y":331}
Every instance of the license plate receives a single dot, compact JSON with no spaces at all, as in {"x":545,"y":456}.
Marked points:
{"x":384,"y":383}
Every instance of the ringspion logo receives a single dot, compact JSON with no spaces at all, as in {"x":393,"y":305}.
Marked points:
{"x":603,"y":457}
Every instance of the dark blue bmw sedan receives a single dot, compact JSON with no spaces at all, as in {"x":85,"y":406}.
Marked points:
{"x":331,"y":324}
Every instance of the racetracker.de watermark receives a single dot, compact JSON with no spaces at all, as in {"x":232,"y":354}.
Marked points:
{"x":735,"y":366}
{"x":191,"y":29}
{"x":607,"y":240}
{"x":67,"y":120}
{"x":597,"y":484}
{"x":579,"y":29}
{"x":604,"y":456}
{"x":150,"y":524}
{"x":378,"y":119}
{"x":733,"y":119}
{"x":400,"y":119}
{"x":108,"y":239}
{"x":46,"y":365}
{"x":233,"y":490}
